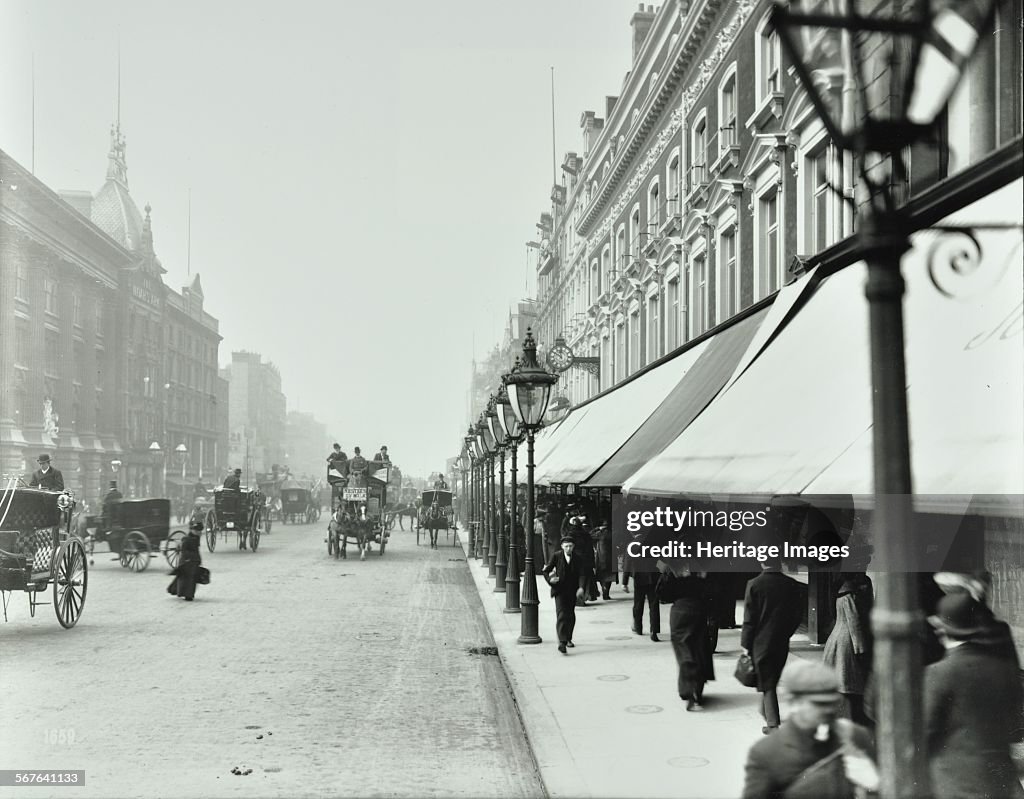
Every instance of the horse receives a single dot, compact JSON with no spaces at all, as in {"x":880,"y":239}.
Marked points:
{"x":404,"y":509}
{"x":345,"y":524}
{"x":433,"y":519}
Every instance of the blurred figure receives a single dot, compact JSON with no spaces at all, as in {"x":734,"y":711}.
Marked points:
{"x":688,"y":625}
{"x":849,"y":645}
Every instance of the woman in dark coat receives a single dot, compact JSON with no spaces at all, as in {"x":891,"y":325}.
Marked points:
{"x":688,"y":625}
{"x":184,"y":583}
{"x":605,"y":562}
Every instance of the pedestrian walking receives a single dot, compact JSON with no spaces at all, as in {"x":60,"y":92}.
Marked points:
{"x":771,"y":615}
{"x":815,"y":754}
{"x":565,"y":575}
{"x":849,"y":645}
{"x":688,"y":627}
{"x":643,"y":593}
{"x":187,"y":570}
{"x":46,"y":476}
{"x":972,"y":700}
{"x":606,"y":565}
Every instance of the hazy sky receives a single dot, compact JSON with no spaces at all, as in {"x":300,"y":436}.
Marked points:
{"x":364,"y":175}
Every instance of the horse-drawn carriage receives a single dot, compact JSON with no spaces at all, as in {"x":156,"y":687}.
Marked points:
{"x":360,"y":512}
{"x":38,"y":550}
{"x":239,"y":511}
{"x":299,"y":503}
{"x":436,"y":513}
{"x":134,"y":529}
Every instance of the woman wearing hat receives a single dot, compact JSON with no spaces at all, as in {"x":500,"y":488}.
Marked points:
{"x":972,"y":704}
{"x":688,"y":625}
{"x":184,"y":583}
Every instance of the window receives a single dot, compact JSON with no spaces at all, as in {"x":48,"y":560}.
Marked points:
{"x":21,"y":282}
{"x":654,"y":205}
{"x":21,"y":357}
{"x":620,"y":352}
{"x":769,"y":278}
{"x":77,"y":310}
{"x":698,"y":151}
{"x":673,"y":186}
{"x":621,"y":254}
{"x":729,"y":278}
{"x":634,"y":342}
{"x":99,"y":317}
{"x":606,"y":268}
{"x":637,"y":242}
{"x":700,"y":294}
{"x":52,"y":353}
{"x":768,"y":61}
{"x":653,"y":329}
{"x":672,"y":321}
{"x":727,"y":112}
{"x":819,"y":173}
{"x":50,"y":295}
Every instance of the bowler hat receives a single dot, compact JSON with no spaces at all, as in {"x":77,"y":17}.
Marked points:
{"x":568,"y":538}
{"x":811,"y":680}
{"x":958,"y":615}
{"x":238,"y":471}
{"x":113,"y":483}
{"x":44,"y":458}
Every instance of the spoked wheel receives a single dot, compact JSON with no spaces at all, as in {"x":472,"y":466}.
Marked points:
{"x":172,"y":548}
{"x":70,"y":582}
{"x":254,"y":534}
{"x":135,"y":551}
{"x":211,"y":529}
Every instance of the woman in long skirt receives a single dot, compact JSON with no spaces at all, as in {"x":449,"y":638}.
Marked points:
{"x":184,"y":583}
{"x":688,"y":625}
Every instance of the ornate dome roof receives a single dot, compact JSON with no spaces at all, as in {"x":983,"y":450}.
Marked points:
{"x":113,"y":209}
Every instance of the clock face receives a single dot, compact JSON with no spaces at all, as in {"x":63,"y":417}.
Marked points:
{"x":560,"y":358}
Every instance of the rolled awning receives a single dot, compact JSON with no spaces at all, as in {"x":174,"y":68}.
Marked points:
{"x":799,"y":419}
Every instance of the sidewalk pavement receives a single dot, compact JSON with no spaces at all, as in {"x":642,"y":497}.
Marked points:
{"x":606,"y":721}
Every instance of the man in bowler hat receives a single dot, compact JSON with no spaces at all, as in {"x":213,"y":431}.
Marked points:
{"x":234,"y":480}
{"x":46,"y":477}
{"x":814,"y":754}
{"x":564,"y":573}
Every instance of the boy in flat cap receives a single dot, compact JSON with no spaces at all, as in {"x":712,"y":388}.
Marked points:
{"x":46,"y":477}
{"x":814,"y":754}
{"x":564,"y":573}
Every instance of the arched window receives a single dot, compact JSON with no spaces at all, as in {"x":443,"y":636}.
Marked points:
{"x":727,"y":130}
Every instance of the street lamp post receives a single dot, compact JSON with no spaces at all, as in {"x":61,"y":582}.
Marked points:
{"x":481,"y":526}
{"x":498,"y":433}
{"x":529,"y":389}
{"x":510,"y":424}
{"x":879,"y":83}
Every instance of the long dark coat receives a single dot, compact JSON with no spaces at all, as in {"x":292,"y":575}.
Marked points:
{"x":570,"y":575}
{"x":52,"y":480}
{"x":848,"y":648}
{"x":688,"y":624}
{"x":184,"y":583}
{"x":970,"y":696}
{"x":772,"y":613}
{"x":606,"y":565}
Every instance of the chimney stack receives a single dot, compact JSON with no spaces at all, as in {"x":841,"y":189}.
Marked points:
{"x":641,"y":24}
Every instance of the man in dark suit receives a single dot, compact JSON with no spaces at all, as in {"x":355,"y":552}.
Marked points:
{"x":815,"y":754}
{"x":772,"y":613}
{"x":111,"y":505}
{"x":564,"y":574}
{"x":972,"y":699}
{"x":46,"y":477}
{"x":234,"y":480}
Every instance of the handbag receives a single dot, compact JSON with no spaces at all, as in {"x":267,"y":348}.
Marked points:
{"x":745,"y":671}
{"x":202,"y":576}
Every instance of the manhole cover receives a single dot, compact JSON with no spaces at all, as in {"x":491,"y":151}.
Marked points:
{"x":272,"y":769}
{"x":376,"y":637}
{"x":602,"y":621}
{"x":643,"y":709}
{"x":483,"y":650}
{"x":685,"y":761}
{"x":618,"y":638}
{"x":613,"y":677}
{"x":456,"y":560}
{"x":252,"y":726}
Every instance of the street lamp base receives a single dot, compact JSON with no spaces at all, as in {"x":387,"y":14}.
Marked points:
{"x":511,"y":610}
{"x":529,"y":639}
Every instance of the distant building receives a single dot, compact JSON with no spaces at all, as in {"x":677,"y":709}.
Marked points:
{"x":307,"y":445}
{"x":257,"y":418}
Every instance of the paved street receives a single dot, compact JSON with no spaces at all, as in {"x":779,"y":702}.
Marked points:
{"x":356,"y":674}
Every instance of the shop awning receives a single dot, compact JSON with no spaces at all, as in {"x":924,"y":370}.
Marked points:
{"x":609,"y":420}
{"x":799,"y":419}
{"x":714,"y":364}
{"x":550,"y":438}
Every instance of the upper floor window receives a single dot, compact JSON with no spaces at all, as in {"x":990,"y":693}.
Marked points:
{"x":700,"y":316}
{"x":77,"y":310}
{"x":768,"y":61}
{"x":21,"y":282}
{"x":621,"y":254}
{"x":50,"y":295}
{"x":727,"y":112}
{"x":99,"y":317}
{"x":728,"y":273}
{"x":820,"y":172}
{"x":653,"y":329}
{"x":672,"y":185}
{"x":767,"y":251}
{"x":699,"y":149}
{"x":654,"y":205}
{"x":672,"y":311}
{"x":606,"y":268}
{"x":637,"y":240}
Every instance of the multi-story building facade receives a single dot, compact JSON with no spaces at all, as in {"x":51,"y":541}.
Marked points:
{"x":94,"y":363}
{"x":257,"y":418}
{"x":486,"y":375}
{"x":710,"y":182}
{"x":307,"y":445}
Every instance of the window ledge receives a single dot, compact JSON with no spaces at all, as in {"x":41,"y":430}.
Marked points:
{"x":728,"y":157}
{"x":770,"y":107}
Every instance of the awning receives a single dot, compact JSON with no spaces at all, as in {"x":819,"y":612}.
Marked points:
{"x":715,"y":363}
{"x":609,"y":420}
{"x":798,"y":420}
{"x":550,"y":438}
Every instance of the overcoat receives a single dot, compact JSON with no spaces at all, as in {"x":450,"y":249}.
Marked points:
{"x":184,"y":583}
{"x":848,"y":648}
{"x":52,"y":480}
{"x":570,"y":575}
{"x":970,"y":700}
{"x":772,"y":613}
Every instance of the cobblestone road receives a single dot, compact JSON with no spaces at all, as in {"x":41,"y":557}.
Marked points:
{"x":355,"y":673}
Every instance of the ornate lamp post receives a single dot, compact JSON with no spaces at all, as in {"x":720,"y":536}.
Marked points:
{"x":513,"y":435}
{"x":529,"y":389}
{"x":491,"y":449}
{"x":471,"y":515}
{"x":486,"y":468}
{"x":879,"y":82}
{"x":478,"y":504}
{"x":498,"y":433}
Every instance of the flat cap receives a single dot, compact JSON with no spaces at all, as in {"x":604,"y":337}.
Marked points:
{"x":568,"y":538}
{"x":812,"y":680}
